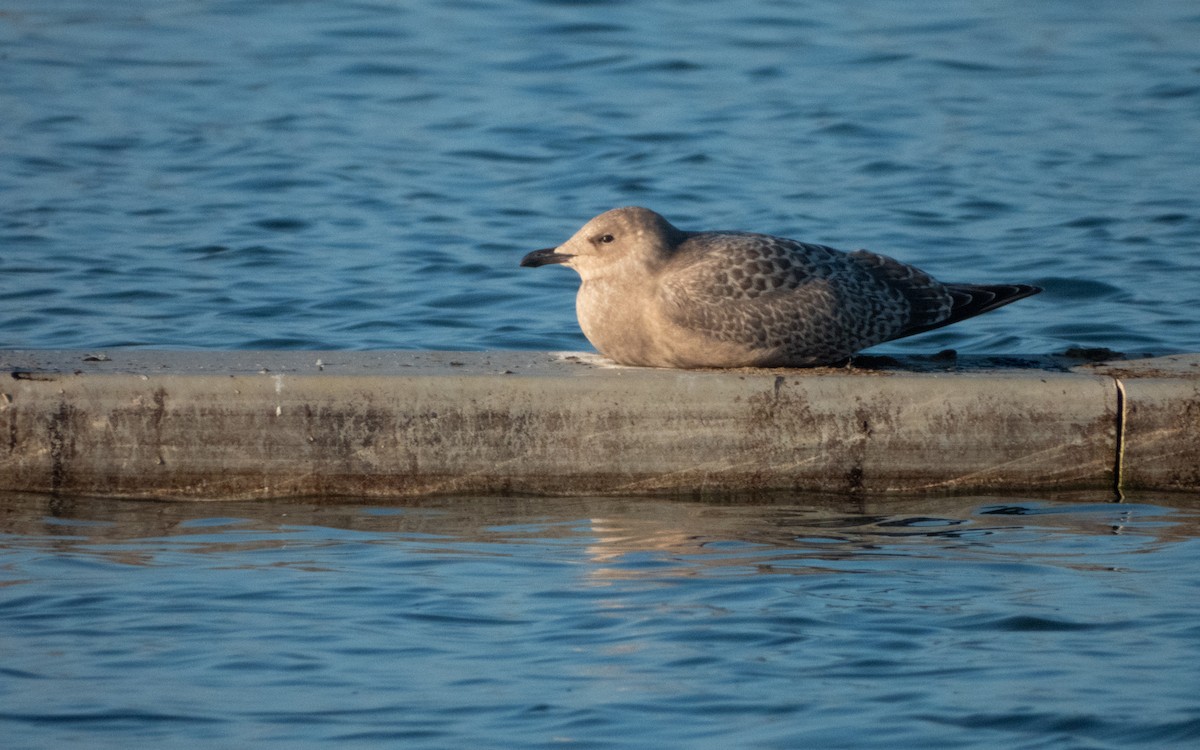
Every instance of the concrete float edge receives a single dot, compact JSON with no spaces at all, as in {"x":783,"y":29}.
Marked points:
{"x":239,"y":425}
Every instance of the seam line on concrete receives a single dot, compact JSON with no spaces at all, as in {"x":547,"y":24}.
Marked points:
{"x":1119,"y":459}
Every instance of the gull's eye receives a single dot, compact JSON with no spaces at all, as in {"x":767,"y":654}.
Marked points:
{"x":604,"y":239}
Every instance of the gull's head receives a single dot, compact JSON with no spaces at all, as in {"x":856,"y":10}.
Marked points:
{"x":623,"y":238}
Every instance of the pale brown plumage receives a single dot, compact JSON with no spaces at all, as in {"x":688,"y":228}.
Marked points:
{"x":654,"y":295}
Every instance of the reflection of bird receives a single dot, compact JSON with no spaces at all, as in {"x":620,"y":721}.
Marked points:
{"x":658,"y":296}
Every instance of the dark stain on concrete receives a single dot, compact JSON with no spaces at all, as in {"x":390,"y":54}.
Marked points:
{"x":156,"y":420}
{"x":62,"y":446}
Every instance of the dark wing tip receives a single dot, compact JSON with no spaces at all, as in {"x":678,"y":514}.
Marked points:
{"x":969,"y":300}
{"x":976,"y":299}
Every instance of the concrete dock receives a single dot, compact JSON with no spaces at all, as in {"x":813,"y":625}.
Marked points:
{"x":209,"y":425}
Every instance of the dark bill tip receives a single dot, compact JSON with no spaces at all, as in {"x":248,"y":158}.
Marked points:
{"x":544,"y":258}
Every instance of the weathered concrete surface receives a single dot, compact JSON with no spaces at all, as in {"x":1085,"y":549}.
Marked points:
{"x":218,"y":425}
{"x":1160,"y":436}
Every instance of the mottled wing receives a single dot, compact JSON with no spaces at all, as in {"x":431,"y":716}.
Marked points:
{"x":929,"y":301}
{"x":808,"y":302}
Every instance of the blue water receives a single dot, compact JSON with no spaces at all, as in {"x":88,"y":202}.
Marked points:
{"x":976,"y":623}
{"x":364,"y":175}
{"x":270,"y":173}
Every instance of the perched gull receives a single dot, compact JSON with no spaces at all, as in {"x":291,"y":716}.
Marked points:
{"x":657,"y":296}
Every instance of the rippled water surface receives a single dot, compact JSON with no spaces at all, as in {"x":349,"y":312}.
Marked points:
{"x":262,"y":173}
{"x":600,"y":623}
{"x":361,"y":175}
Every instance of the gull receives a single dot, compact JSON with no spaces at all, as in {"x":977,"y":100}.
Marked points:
{"x":656,"y":296}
